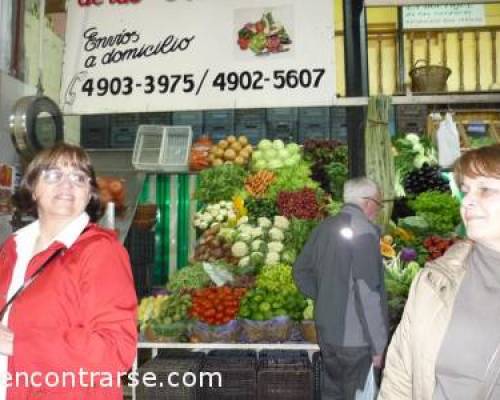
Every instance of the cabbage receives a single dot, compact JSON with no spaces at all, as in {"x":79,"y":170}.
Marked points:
{"x":278,"y":144}
{"x":270,"y":154}
{"x":284,"y":154}
{"x":264,"y":144}
{"x":257,"y":155}
{"x":293,"y":148}
{"x":289,"y":162}
{"x":275,"y":164}
{"x":261,"y":164}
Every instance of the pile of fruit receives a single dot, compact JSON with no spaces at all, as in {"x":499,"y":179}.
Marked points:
{"x":231,"y":150}
{"x":216,"y":306}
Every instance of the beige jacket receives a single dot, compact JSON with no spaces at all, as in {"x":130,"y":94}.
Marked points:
{"x":410,"y":365}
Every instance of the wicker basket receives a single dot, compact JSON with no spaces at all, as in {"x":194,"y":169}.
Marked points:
{"x":308,"y":330}
{"x":428,"y":78}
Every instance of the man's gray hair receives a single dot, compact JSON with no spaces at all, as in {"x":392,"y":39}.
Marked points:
{"x":358,"y":189}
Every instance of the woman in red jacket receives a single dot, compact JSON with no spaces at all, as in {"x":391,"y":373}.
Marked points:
{"x":67,"y":298}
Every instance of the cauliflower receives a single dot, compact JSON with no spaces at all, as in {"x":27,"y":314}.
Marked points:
{"x":244,"y":262}
{"x":275,"y":247}
{"x":276,"y":235}
{"x":214,"y":212}
{"x":245,"y":228}
{"x":203,"y":226}
{"x":413,"y":138}
{"x":244,"y":236}
{"x":281,"y":222}
{"x":264,"y":222}
{"x":220,"y":217}
{"x":239,"y":249}
{"x":256,"y":233}
{"x":257,"y":245}
{"x":227,"y":234}
{"x":242,"y":221}
{"x":272,"y":258}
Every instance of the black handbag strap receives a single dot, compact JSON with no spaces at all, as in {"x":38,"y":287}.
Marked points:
{"x":29,"y":281}
{"x":491,"y":377}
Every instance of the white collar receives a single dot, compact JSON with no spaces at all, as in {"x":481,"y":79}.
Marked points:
{"x":68,"y":236}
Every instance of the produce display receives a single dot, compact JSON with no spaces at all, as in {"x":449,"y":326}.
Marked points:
{"x":199,"y":157}
{"x":231,"y":150}
{"x":217,"y":213}
{"x":275,"y":154}
{"x":264,"y":36}
{"x":216,"y":306}
{"x":255,"y":218}
{"x":112,"y":189}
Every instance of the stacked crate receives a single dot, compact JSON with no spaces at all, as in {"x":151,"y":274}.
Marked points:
{"x":282,"y":123}
{"x":338,"y":124}
{"x":218,"y":124}
{"x":314,"y":123}
{"x":411,"y":118}
{"x":94,"y":131}
{"x":251,"y":122}
{"x":194,"y":119}
{"x":123,"y":130}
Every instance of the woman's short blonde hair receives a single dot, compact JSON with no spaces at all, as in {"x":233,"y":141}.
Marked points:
{"x":484,"y":161}
{"x":68,"y":154}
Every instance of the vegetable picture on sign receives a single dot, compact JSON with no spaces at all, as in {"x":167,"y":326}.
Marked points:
{"x":265,"y":36}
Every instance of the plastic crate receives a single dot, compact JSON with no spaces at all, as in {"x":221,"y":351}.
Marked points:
{"x":286,"y":378}
{"x":317,"y":366}
{"x":180,"y":353}
{"x":143,"y":278}
{"x":314,"y":114}
{"x":194,"y":119}
{"x":233,"y":353}
{"x":123,"y":137}
{"x":314,"y":123}
{"x":251,"y":123}
{"x":218,"y":124}
{"x":156,"y":118}
{"x":94,"y":131}
{"x":162,"y":148}
{"x":162,"y":367}
{"x":238,"y":378}
{"x":140,"y":245}
{"x":338,"y":123}
{"x":284,"y":130}
{"x":290,"y":114}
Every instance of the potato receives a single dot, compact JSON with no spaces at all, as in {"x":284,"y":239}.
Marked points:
{"x":229,"y":154}
{"x":219,"y":153}
{"x":239,"y":160}
{"x":223,"y":144}
{"x":217,"y":162}
{"x":243,"y":140}
{"x":236,"y":146}
{"x":244,"y":153}
{"x":231,"y":139}
{"x":249,"y":148}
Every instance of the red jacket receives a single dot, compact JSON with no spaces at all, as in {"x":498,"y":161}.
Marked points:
{"x":79,"y":314}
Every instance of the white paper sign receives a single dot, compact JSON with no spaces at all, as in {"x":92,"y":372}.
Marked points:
{"x":443,"y":16}
{"x":160,"y":55}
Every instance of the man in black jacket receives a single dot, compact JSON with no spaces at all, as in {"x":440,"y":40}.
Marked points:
{"x":341,"y":268}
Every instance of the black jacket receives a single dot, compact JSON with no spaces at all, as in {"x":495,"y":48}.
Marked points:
{"x":341,"y":268}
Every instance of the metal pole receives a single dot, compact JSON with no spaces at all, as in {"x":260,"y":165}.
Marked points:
{"x":356,"y":76}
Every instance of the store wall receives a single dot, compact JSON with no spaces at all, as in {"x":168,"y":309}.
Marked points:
{"x":53,"y":46}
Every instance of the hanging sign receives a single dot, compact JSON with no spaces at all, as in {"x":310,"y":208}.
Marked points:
{"x":158,"y":55}
{"x":443,"y":16}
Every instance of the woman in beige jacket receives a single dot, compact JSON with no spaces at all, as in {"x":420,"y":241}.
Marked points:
{"x":445,"y":345}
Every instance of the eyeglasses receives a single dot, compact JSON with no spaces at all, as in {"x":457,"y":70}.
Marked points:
{"x":379,"y":203}
{"x":54,"y":176}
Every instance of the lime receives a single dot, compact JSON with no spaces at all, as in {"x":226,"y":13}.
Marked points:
{"x":264,"y":307}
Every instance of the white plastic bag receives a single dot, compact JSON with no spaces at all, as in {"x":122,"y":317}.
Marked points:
{"x":370,"y":390}
{"x":448,"y":142}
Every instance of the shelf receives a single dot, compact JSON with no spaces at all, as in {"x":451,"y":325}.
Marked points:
{"x":232,"y":346}
{"x":448,"y":98}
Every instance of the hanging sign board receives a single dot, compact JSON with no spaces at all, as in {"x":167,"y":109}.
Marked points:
{"x":443,"y":16}
{"x":167,"y":55}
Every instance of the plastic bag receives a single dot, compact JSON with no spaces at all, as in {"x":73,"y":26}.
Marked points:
{"x":273,"y":330}
{"x":370,"y":390}
{"x":205,"y":333}
{"x":448,"y":142}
